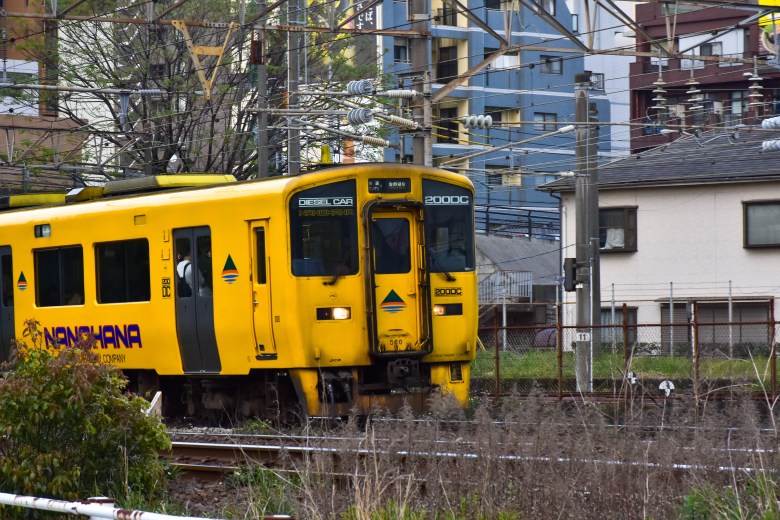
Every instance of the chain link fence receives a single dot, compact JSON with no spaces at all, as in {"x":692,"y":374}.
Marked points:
{"x":703,"y":348}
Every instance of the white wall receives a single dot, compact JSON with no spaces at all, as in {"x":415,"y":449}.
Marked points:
{"x":689,"y":236}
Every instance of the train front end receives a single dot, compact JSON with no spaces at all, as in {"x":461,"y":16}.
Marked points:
{"x":384,"y":264}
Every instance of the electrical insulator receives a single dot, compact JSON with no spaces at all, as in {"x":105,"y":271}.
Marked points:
{"x":402,"y":122}
{"x":479,"y":121}
{"x":402,"y":94}
{"x":772,"y":122}
{"x":374,"y":140}
{"x":360,"y":116}
{"x":771,"y":146}
{"x":360,"y":87}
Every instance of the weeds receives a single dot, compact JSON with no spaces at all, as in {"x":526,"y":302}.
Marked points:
{"x":527,"y":457}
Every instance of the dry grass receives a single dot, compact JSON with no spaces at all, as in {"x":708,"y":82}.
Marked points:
{"x":531,"y":458}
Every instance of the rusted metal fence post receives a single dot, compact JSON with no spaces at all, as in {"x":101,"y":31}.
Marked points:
{"x":772,"y":350}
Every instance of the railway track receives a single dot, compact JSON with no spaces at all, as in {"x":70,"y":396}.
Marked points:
{"x":341,"y":457}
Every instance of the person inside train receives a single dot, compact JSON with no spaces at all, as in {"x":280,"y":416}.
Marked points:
{"x":184,"y":272}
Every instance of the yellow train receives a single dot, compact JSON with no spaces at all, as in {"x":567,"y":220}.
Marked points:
{"x":341,"y":290}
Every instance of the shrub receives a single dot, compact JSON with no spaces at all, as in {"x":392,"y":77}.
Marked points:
{"x":70,"y":431}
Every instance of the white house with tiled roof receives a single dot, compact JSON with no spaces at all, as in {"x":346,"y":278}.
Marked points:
{"x":698,"y":221}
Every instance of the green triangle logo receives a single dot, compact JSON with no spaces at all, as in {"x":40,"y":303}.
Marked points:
{"x":229,"y":265}
{"x":392,"y":297}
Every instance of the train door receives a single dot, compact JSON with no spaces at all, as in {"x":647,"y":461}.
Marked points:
{"x":195,"y":301}
{"x":6,"y":302}
{"x":400,"y":303}
{"x":265,"y":347}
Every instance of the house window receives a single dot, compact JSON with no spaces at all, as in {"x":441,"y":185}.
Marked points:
{"x":545,"y":121}
{"x":446,"y":16}
{"x":738,"y":104}
{"x":552,"y":65}
{"x":493,"y":4}
{"x":447,"y":68}
{"x":711,"y":49}
{"x":617,"y":229}
{"x":761,"y":224}
{"x":401,"y":50}
{"x":676,"y":332}
{"x":59,"y":276}
{"x":448,"y":126}
{"x":494,"y":175}
{"x":597,"y":80}
{"x":614,"y":335}
{"x":745,"y":335}
{"x":549,"y":6}
{"x":123,"y":271}
{"x":19,"y":77}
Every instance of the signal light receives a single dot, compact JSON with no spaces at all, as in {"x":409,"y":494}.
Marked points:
{"x":479,"y":121}
{"x":570,"y":274}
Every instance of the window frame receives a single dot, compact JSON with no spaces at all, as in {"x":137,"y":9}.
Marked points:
{"x":398,"y":44}
{"x":746,"y":205}
{"x":543,"y":124}
{"x":597,"y":80}
{"x":548,"y":65}
{"x":630,"y":232}
{"x":68,"y":281}
{"x":136,"y":278}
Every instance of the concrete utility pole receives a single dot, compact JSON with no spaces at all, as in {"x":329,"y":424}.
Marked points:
{"x":262,"y":99}
{"x":422,"y":147}
{"x":587,"y":237}
{"x":293,"y":50}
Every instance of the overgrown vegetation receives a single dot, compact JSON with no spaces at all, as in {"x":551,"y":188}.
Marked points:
{"x":529,"y":457}
{"x":69,"y":429}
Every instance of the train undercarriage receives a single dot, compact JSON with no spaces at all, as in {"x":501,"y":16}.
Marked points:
{"x":286,"y":396}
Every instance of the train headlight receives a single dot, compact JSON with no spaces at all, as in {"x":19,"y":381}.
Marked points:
{"x":334,"y":313}
{"x":448,"y":309}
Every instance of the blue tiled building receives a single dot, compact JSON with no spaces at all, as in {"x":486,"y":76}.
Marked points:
{"x":528,"y":93}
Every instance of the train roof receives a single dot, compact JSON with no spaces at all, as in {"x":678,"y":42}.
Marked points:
{"x":167,"y":189}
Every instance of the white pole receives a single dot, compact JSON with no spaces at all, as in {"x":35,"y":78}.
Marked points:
{"x":92,"y":510}
{"x":612,"y":322}
{"x":731,"y":319}
{"x":671,"y":318}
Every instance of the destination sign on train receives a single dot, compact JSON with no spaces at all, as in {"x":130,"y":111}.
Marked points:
{"x":389,"y":186}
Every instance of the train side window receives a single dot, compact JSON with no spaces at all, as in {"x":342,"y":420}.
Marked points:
{"x":59,"y":276}
{"x":7,"y":286}
{"x":123,"y":271}
{"x":260,"y":241}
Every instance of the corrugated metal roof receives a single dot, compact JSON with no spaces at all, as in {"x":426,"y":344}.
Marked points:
{"x":540,"y":257}
{"x":713,"y":156}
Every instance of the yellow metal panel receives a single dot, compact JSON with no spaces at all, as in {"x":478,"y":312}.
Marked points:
{"x":156,"y":182}
{"x":31,"y":199}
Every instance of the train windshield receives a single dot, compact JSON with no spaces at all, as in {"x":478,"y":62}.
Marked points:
{"x":449,"y":227}
{"x":323,"y":230}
